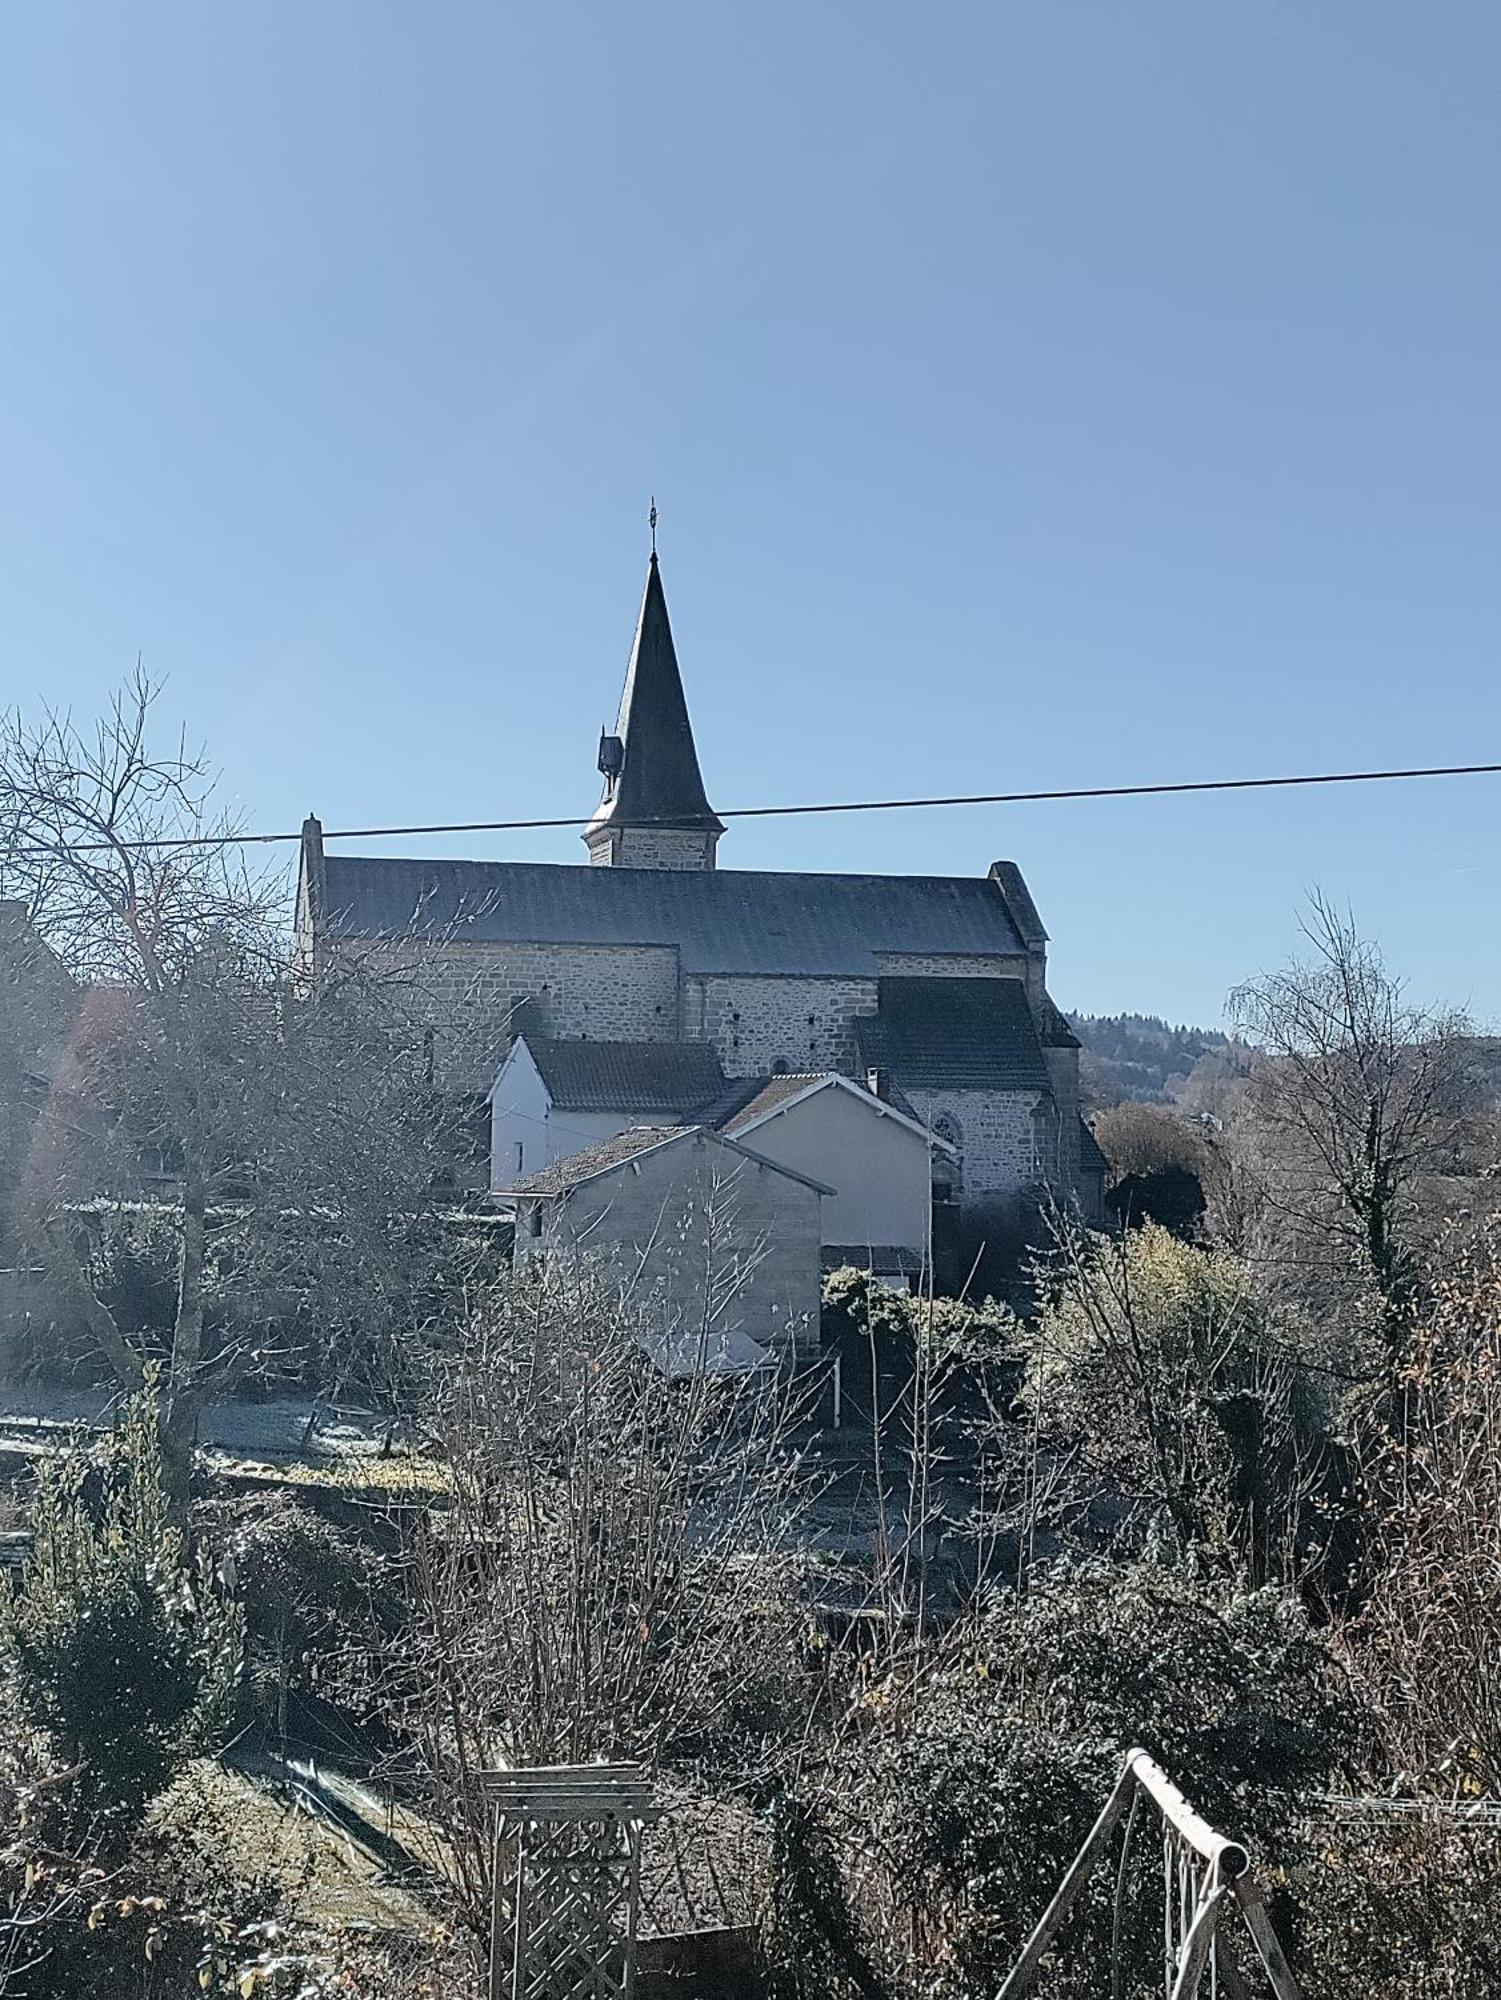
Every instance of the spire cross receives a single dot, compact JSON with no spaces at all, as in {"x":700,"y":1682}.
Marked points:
{"x":652,"y":517}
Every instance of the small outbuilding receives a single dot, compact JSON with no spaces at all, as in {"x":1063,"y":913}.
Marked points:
{"x":725,"y":1242}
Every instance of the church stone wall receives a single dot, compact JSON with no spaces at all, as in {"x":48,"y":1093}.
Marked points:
{"x":998,"y":1136}
{"x":952,"y":965}
{"x":466,"y":992}
{"x":653,"y":847}
{"x":756,"y":1024}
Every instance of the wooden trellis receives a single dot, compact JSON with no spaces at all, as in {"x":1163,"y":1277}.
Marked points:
{"x":567,"y":1880}
{"x":1205,"y":1874}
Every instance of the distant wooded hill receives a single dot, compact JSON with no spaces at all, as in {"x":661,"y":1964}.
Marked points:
{"x":1140,"y":1059}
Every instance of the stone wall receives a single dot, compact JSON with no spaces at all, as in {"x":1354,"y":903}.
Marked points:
{"x":756,"y":1024}
{"x":952,"y":965}
{"x":998,"y":1136}
{"x":653,"y":847}
{"x":466,"y":993}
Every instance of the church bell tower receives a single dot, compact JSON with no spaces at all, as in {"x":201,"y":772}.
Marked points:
{"x":654,"y":812}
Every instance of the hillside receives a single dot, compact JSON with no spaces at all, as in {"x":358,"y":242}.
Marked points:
{"x":1141,"y":1059}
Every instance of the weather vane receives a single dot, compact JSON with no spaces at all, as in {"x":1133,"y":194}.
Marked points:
{"x":652,"y":517}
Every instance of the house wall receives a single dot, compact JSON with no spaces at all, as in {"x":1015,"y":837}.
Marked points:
{"x":707,"y":1229}
{"x":879,"y":1169}
{"x":528,"y":1131}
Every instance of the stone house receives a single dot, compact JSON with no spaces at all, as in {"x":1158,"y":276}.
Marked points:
{"x":651,"y":1201}
{"x":936,"y":983}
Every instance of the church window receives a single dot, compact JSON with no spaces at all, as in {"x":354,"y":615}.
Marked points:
{"x":781,"y":1066}
{"x":948,"y":1173}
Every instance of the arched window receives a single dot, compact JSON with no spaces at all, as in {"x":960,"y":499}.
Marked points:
{"x":781,"y":1066}
{"x":948,"y":1169}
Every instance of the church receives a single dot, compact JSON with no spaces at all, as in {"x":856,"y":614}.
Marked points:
{"x":648,"y":987}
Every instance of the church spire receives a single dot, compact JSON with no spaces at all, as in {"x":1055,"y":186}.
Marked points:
{"x":655,"y":812}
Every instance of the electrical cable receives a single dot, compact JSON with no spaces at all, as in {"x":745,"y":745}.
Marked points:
{"x":825,"y":806}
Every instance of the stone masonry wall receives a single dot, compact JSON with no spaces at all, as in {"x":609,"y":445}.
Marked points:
{"x":998,"y":1136}
{"x":654,"y":847}
{"x":755,"y":1024}
{"x":466,"y":993}
{"x":952,"y":965}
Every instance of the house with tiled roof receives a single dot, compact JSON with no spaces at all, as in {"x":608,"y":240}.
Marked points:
{"x":928,"y":992}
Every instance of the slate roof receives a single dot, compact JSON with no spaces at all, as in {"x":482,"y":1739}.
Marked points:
{"x":887,"y":1260}
{"x":954,"y":1034}
{"x":682,"y":1353}
{"x":720,"y":920}
{"x":660,"y":783}
{"x":1091,"y":1158}
{"x":676,"y":1077}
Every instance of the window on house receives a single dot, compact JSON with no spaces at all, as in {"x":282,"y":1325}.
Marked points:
{"x":519,"y":1151}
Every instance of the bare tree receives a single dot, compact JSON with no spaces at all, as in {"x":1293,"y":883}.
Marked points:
{"x":1356,"y":1095}
{"x":1427,"y":1645}
{"x":291,"y":1127}
{"x":611,"y":1575}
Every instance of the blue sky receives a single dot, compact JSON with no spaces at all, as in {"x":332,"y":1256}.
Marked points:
{"x":1034,"y":395}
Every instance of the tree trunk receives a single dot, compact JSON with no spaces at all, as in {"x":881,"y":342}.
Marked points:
{"x":182,"y":1392}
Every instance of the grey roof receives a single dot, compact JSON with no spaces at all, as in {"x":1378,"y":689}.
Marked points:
{"x":627,"y":1076}
{"x":684,"y":1352}
{"x":659,"y":783}
{"x":1091,"y":1157}
{"x":887,"y":1260}
{"x":1055,"y":1032}
{"x":954,"y":1034}
{"x":724,"y":921}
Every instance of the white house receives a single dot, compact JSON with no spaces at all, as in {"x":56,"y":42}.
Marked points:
{"x":878,"y":1159}
{"x":552,"y":1098}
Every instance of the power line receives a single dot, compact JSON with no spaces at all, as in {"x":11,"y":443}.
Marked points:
{"x":1176,"y":788}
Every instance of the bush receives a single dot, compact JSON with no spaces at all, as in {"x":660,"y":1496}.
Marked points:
{"x":307,"y":1590}
{"x":979,"y":1786}
{"x":116,"y":1652}
{"x":973,"y":1348}
{"x":1155,"y":1360}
